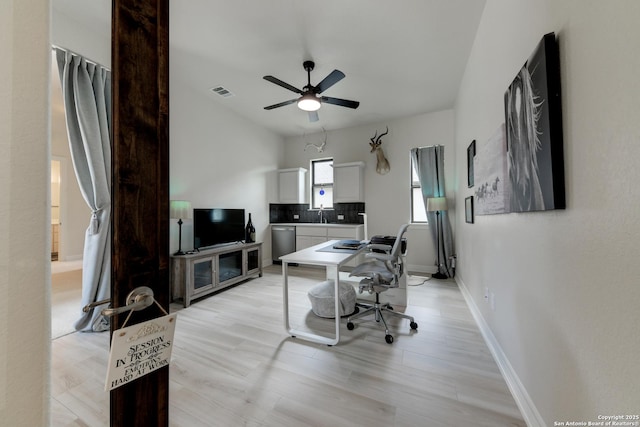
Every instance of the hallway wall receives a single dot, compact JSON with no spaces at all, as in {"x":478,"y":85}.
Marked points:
{"x":25,"y":308}
{"x":565,"y":282}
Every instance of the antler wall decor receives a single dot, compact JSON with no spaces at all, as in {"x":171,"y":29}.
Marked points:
{"x":320,"y":147}
{"x":382,"y":165}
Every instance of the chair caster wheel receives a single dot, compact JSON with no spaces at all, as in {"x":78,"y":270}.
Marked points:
{"x":350,"y":326}
{"x":413,"y":325}
{"x":388,"y":339}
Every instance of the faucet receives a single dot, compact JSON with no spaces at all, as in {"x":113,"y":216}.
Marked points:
{"x":321,"y":213}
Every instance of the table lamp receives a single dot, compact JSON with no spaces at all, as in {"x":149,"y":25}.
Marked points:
{"x":180,"y":209}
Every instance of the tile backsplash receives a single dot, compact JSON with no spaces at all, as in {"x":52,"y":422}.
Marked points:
{"x":280,"y":212}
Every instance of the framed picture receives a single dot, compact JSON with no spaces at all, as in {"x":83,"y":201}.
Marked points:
{"x":533,"y":117}
{"x":468,"y":209}
{"x":471,"y":153}
{"x":491,"y":195}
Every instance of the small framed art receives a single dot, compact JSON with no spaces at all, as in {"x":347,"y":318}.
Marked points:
{"x":468,"y":209}
{"x":471,"y":153}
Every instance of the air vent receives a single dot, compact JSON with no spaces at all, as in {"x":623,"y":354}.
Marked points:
{"x":221,"y":91}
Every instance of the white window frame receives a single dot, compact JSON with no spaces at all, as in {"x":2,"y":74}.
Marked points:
{"x":415,"y":185}
{"x":313,"y":185}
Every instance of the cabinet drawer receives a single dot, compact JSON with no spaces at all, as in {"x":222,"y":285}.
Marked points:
{"x":346,"y":233}
{"x":311,"y":231}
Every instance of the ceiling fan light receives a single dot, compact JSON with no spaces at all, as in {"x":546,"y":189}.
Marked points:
{"x":309,"y":102}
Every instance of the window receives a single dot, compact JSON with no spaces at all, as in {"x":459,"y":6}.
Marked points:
{"x":418,"y":211}
{"x":322,"y":183}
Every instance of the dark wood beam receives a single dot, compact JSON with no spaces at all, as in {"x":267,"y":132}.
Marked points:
{"x":140,"y":199}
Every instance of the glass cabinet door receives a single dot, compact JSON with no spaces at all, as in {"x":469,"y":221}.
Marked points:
{"x":203,"y":274}
{"x":229,"y":266}
{"x":253,"y":260}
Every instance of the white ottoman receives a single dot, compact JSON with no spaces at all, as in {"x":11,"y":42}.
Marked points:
{"x":323,"y":303}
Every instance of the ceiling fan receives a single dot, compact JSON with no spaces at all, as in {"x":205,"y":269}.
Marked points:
{"x":310,"y":101}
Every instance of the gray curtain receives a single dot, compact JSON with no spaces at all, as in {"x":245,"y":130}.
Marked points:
{"x":86,"y":89}
{"x":429,"y":164}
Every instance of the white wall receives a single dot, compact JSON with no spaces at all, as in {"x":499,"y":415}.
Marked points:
{"x":565,"y":282}
{"x":388,"y":197}
{"x":25,"y":307}
{"x":92,"y":40}
{"x":219,"y":160}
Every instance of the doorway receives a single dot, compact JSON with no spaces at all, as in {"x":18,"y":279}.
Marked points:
{"x":55,"y":209}
{"x":66,"y":276}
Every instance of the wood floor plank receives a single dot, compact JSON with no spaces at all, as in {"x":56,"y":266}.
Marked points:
{"x":234,"y":365}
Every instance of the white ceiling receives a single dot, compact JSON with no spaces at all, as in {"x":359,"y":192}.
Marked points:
{"x":401,"y":57}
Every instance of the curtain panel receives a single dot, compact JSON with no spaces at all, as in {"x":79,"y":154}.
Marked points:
{"x":429,"y":164}
{"x":86,"y":90}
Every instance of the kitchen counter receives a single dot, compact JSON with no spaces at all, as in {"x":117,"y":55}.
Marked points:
{"x":309,"y":234}
{"x":315,"y":224}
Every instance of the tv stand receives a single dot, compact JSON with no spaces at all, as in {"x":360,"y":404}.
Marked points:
{"x":195,"y":275}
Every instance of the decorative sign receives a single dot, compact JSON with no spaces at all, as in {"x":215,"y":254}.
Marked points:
{"x":140,"y":349}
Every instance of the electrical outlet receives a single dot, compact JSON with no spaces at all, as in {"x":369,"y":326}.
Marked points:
{"x":486,"y":294}
{"x":296,"y":216}
{"x":340,"y":217}
{"x":493,"y":301}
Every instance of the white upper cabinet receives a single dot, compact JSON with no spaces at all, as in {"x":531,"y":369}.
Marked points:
{"x":348,"y":182}
{"x":291,"y":185}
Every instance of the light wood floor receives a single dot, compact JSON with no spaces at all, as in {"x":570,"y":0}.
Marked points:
{"x":234,"y":365}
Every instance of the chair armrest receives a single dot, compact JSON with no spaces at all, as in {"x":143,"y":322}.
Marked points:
{"x":380,"y":247}
{"x":379,"y":256}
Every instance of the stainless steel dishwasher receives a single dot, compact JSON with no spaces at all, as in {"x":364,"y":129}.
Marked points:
{"x":283,"y":241}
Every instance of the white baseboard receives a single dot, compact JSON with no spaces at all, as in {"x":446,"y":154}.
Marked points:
{"x":528,"y":409}
{"x":417,"y":268}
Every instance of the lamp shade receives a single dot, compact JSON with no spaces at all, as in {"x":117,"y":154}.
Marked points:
{"x":436,"y":204}
{"x":309,"y":102}
{"x":180,"y":209}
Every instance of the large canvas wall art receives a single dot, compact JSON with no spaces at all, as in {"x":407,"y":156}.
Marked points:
{"x":533,"y":119}
{"x":521,"y":167}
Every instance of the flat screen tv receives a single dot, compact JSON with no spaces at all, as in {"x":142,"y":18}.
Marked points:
{"x":217,"y":226}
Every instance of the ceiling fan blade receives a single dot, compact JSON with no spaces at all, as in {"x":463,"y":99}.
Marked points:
{"x":334,"y":77}
{"x":313,"y":116}
{"x":282,"y":104}
{"x":341,"y":102}
{"x":282,"y":84}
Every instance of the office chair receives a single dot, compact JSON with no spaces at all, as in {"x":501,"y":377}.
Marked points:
{"x":382,"y":272}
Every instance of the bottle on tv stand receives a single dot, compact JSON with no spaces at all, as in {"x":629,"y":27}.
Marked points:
{"x":250,"y":232}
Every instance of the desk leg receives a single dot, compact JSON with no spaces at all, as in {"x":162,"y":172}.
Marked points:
{"x":285,"y":294}
{"x":303,"y":334}
{"x":333,"y":273}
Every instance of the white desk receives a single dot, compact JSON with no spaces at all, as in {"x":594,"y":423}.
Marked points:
{"x":311,"y":256}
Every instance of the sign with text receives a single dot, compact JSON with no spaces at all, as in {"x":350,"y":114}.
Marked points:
{"x":139,"y":349}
